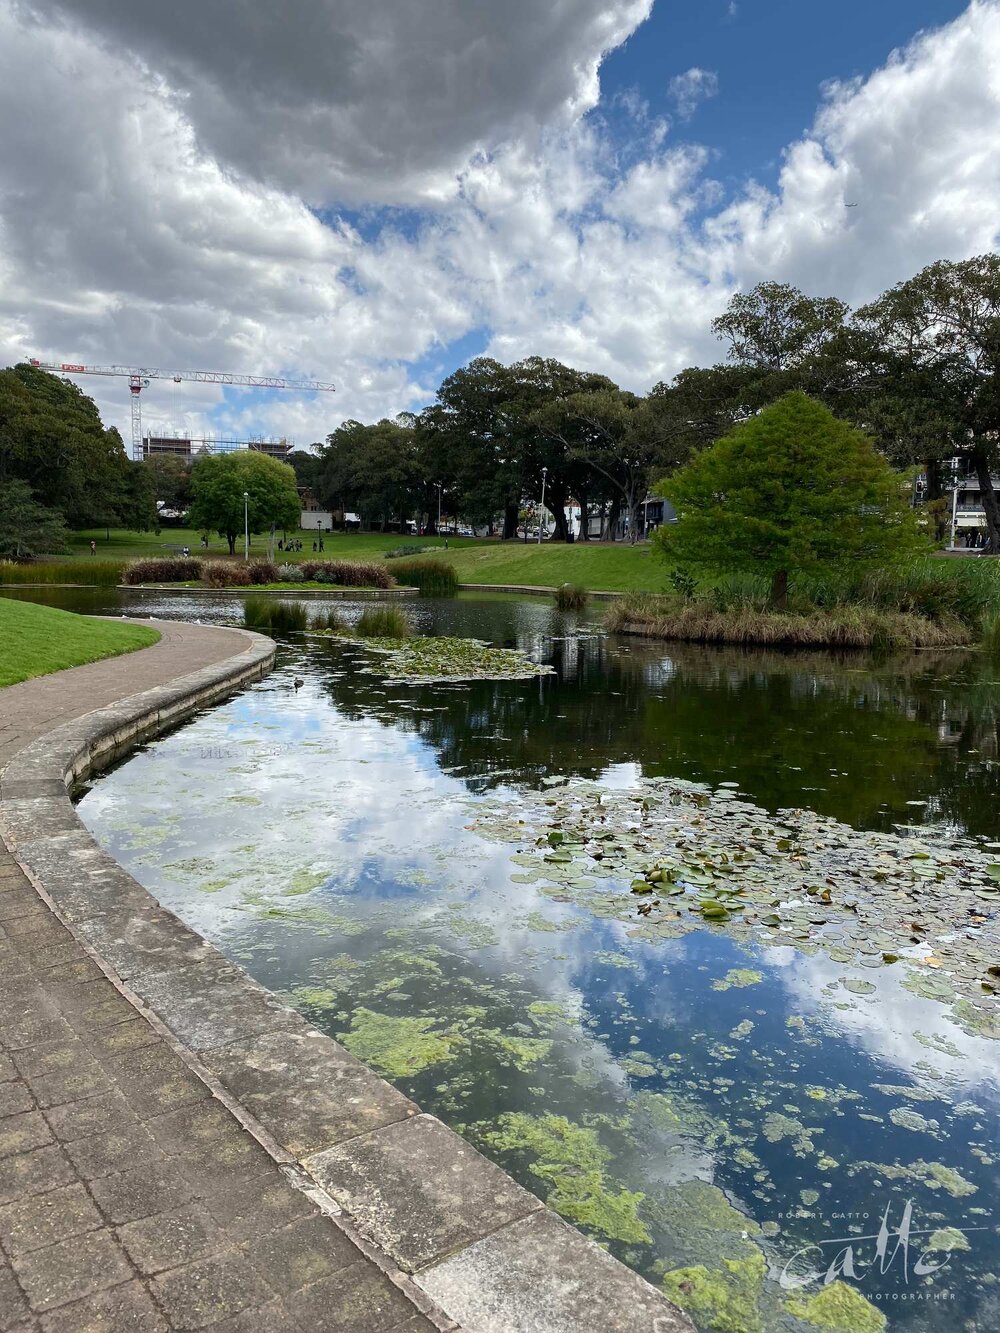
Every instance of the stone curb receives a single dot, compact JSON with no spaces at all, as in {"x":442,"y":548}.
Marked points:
{"x":334,"y":591}
{"x":535,"y":591}
{"x":455,"y":1232}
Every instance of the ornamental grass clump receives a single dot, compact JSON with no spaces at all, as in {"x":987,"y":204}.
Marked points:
{"x":225,"y":574}
{"x":262,"y":572}
{"x":328,"y":621}
{"x":269,"y":613}
{"x":348,"y":573}
{"x":434,"y":578}
{"x":290,"y":574}
{"x":571,"y":597}
{"x":165,"y":569}
{"x":383,"y":622}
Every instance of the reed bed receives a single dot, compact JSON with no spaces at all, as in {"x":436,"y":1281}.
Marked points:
{"x":98,"y":573}
{"x":434,"y":578}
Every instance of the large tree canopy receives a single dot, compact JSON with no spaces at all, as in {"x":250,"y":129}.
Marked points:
{"x":790,"y":490}
{"x":52,"y":438}
{"x":218,"y":483}
{"x":935,"y":343}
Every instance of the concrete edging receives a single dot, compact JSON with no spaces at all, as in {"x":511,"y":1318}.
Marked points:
{"x":454,"y":1230}
{"x":530,"y":590}
{"x":334,"y":591}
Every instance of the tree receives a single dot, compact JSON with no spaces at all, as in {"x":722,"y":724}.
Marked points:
{"x":375,"y":470}
{"x":218,"y":482}
{"x":307,"y":466}
{"x":775,"y":327}
{"x":613,"y":434}
{"x":26,"y":527}
{"x":791,"y":490}
{"x":51,"y":437}
{"x":941,"y":330}
{"x":170,"y":479}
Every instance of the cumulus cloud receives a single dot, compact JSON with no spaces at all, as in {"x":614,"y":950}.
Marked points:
{"x":693,"y":86}
{"x":348,"y":100}
{"x":132,"y":230}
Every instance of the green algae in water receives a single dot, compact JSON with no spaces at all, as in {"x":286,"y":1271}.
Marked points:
{"x":838,"y":1308}
{"x":948,"y":1239}
{"x":398,"y":1047}
{"x":738,"y":977}
{"x":726,"y":1299}
{"x":935,"y":1175}
{"x":572,"y":1162}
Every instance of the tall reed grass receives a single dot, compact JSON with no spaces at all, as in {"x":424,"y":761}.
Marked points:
{"x":841,"y":626}
{"x":270,"y":613}
{"x":99,"y":573}
{"x":383,"y":622}
{"x":571,"y":597}
{"x":434,"y":578}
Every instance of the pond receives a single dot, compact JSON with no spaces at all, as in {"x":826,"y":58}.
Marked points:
{"x":439,"y":876}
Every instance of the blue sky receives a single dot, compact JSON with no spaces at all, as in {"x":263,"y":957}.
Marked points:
{"x":772,"y":58}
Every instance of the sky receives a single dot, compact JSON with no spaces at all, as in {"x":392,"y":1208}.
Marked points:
{"x":373,"y":193}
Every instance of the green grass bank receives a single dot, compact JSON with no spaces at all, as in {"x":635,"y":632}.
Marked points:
{"x":35,"y":640}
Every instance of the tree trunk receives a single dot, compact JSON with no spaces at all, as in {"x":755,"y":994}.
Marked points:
{"x":231,"y":539}
{"x":614,"y":514}
{"x":990,"y":506}
{"x":584,"y":518}
{"x":779,"y":589}
{"x":936,"y":498}
{"x":556,"y":506}
{"x":510,"y":512}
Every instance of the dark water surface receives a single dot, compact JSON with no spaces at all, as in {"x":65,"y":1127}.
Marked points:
{"x":699,"y":1102}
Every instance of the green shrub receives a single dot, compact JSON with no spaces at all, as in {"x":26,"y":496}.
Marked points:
{"x":571,"y":597}
{"x":434,"y":578}
{"x":383,"y":622}
{"x":100,"y":573}
{"x":682,"y":583}
{"x":408,"y":548}
{"x":270,"y":613}
{"x":225,"y":574}
{"x":290,"y":574}
{"x":166,"y":569}
{"x":348,"y":573}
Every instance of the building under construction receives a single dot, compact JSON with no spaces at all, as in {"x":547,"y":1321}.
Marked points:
{"x":191,"y":447}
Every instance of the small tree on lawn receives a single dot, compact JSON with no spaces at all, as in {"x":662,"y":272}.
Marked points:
{"x":792,"y":490}
{"x":218,"y":482}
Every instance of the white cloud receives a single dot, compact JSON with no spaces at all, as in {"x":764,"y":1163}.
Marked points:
{"x":129,"y":231}
{"x":693,"y":86}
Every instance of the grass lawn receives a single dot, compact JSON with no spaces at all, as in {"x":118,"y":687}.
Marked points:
{"x":35,"y":640}
{"x":614,"y":567}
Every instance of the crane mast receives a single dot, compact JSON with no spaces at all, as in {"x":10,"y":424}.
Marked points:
{"x":139,"y":376}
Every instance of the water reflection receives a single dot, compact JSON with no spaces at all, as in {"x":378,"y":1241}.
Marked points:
{"x":687,"y":1101}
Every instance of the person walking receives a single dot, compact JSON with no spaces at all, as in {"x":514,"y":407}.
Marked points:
{"x":93,"y":547}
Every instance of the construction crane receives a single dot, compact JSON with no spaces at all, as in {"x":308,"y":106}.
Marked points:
{"x":139,"y":376}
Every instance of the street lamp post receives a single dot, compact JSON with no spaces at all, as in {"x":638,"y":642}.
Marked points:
{"x":246,"y":525}
{"x":541,"y":513}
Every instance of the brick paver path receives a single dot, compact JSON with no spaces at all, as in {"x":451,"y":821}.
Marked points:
{"x":130,"y":1198}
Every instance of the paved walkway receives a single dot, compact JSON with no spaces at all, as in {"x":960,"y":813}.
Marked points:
{"x":131,"y":1200}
